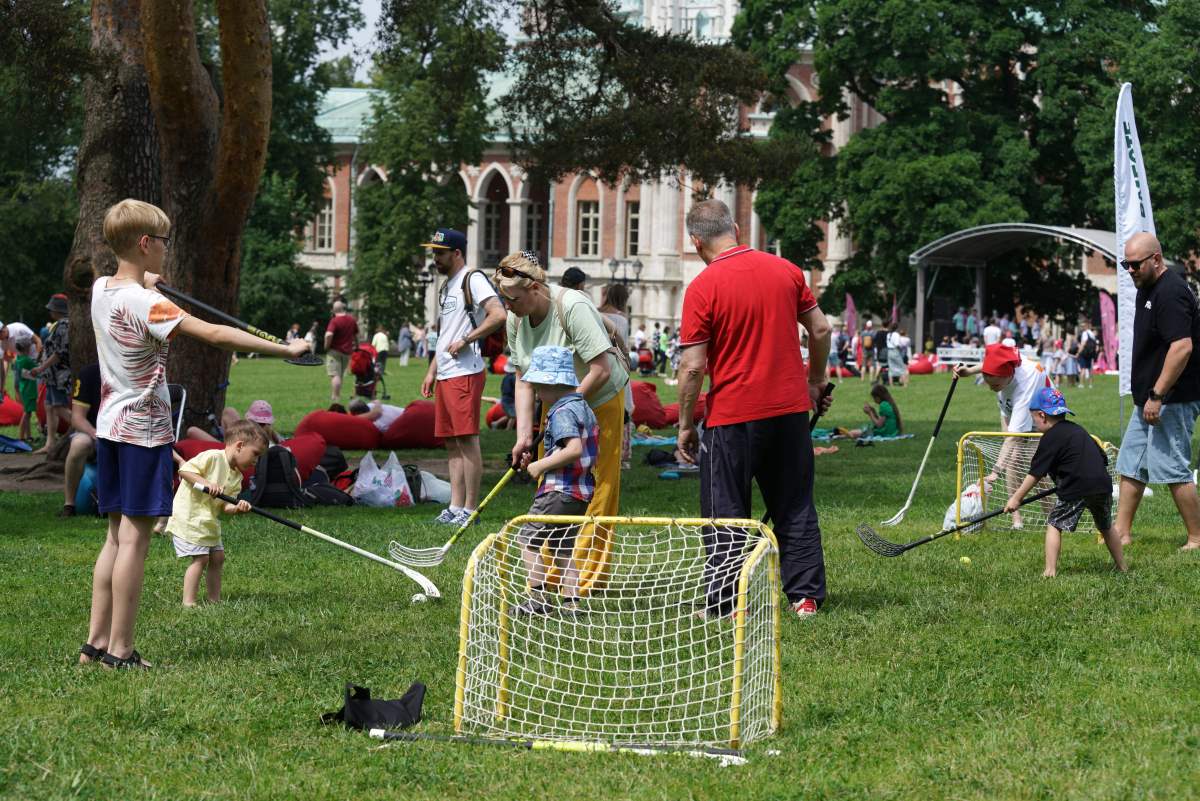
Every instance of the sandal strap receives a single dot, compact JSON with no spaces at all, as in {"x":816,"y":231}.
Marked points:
{"x":91,"y":651}
{"x":134,"y":660}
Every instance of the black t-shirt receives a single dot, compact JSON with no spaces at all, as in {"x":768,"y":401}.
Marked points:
{"x":881,"y":348}
{"x":1166,"y":312}
{"x":87,"y":390}
{"x":1069,"y":455}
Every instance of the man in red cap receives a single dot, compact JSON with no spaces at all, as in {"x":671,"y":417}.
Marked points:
{"x":1015,"y":383}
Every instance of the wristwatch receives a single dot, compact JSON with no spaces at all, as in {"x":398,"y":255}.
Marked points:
{"x":1154,"y":396}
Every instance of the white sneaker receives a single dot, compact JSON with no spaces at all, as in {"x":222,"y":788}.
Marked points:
{"x":462,"y":517}
{"x":445,"y":517}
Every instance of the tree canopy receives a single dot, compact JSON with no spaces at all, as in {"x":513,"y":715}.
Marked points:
{"x":1008,"y":117}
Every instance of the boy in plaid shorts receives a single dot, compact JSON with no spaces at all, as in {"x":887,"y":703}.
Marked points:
{"x":1080,"y":469}
{"x":571,"y":443}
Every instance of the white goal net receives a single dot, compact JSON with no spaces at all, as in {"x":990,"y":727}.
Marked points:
{"x":996,"y":463}
{"x":666,"y":647}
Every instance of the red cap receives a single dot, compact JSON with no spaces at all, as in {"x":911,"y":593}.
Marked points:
{"x":1000,"y":360}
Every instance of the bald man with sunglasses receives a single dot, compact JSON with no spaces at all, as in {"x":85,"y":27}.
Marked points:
{"x":1165,"y":379}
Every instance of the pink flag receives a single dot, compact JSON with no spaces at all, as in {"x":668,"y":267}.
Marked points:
{"x":1108,"y":329}
{"x":851,"y":316}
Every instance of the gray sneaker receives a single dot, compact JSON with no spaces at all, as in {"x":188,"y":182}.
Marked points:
{"x":462,"y":517}
{"x":446,"y":517}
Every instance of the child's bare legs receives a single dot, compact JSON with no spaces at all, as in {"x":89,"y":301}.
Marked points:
{"x":535,"y":569}
{"x":1113,"y":541}
{"x":191,"y":579}
{"x":128,"y":570}
{"x":100,"y":622}
{"x":212,"y":577}
{"x":23,"y":433}
{"x":1053,"y":546}
{"x":569,"y":584}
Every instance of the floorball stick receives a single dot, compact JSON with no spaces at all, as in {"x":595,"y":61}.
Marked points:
{"x":308,"y":360}
{"x":884,"y":548}
{"x":427,"y":586}
{"x":896,"y":518}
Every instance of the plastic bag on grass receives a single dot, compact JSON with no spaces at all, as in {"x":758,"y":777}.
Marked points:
{"x":381,"y":486}
{"x":969,"y":504}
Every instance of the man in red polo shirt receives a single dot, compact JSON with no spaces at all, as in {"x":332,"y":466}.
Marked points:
{"x":341,"y":336}
{"x":740,"y":321}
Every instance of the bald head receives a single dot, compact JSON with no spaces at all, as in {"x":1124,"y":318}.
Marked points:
{"x":711,"y":227}
{"x":1141,"y":245}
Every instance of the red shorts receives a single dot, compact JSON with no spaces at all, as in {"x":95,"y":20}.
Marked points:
{"x":456,"y":401}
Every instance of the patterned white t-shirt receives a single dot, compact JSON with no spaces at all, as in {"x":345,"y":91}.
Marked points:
{"x":133,"y":328}
{"x":455,"y":322}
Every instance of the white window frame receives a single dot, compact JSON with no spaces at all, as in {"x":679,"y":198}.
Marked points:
{"x":633,"y":228}
{"x":323,"y":227}
{"x":587,"y":227}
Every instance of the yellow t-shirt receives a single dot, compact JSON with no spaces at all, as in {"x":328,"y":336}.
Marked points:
{"x":195,"y":515}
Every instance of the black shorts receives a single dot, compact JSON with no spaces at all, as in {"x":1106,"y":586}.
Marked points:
{"x":1065,"y":514}
{"x":559,"y":536}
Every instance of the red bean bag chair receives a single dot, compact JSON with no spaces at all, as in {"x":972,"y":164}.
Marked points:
{"x":920,"y":365}
{"x":189,"y":448}
{"x":672,"y":411}
{"x":343,"y":430}
{"x":308,"y":450}
{"x":499,"y":363}
{"x":63,"y":425}
{"x":10,"y":411}
{"x":413,"y":429}
{"x":647,"y":408}
{"x":845,"y":372}
{"x":495,"y":413}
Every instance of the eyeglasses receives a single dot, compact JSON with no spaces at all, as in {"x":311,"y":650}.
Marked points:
{"x":1135,"y":265}
{"x":510,"y":272}
{"x":166,"y":240}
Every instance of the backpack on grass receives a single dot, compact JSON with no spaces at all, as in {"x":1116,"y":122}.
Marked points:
{"x":276,"y":481}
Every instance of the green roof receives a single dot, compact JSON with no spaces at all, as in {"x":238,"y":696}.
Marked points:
{"x":345,"y":113}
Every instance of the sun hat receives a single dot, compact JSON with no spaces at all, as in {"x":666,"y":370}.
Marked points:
{"x":551,"y":364}
{"x":447,"y":239}
{"x":261,"y":412}
{"x":1049,"y":400}
{"x":58,"y":304}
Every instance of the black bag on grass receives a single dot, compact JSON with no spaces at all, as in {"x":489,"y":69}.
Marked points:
{"x":276,"y":481}
{"x":334,"y":461}
{"x":412,"y":474}
{"x":319,"y":490}
{"x":360,"y":712}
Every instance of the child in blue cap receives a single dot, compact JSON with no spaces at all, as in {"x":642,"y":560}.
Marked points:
{"x":571,"y":443}
{"x":1078,"y":467}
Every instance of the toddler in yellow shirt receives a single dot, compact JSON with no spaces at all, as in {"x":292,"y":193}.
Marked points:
{"x":194,"y":526}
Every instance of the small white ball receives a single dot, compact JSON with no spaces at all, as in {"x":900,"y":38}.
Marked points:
{"x":419,"y":598}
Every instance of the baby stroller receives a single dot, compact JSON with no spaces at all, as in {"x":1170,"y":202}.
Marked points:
{"x":645,"y":361}
{"x":364,"y":364}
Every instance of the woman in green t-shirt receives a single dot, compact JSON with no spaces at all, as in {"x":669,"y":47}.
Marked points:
{"x":541,"y":314}
{"x":886,"y":421}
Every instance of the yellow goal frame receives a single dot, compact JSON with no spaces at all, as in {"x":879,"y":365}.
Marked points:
{"x":767,"y":549}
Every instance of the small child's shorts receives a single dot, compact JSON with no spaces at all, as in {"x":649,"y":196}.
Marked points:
{"x":559,"y":536}
{"x":1065,"y":514}
{"x":134,"y":480}
{"x":184,"y":548}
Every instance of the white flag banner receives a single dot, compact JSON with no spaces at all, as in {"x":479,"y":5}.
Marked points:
{"x":1134,"y":215}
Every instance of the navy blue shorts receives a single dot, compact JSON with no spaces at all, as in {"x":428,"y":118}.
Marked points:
{"x":132,"y":480}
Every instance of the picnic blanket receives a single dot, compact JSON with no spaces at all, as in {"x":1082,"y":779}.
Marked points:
{"x":641,"y":439}
{"x":828,"y":434}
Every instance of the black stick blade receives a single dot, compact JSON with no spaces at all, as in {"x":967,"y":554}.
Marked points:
{"x":877,"y":543}
{"x":307,"y":360}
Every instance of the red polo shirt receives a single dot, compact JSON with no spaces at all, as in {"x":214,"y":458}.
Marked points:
{"x":745,"y":305}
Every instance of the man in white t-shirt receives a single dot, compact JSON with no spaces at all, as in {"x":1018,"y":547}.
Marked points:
{"x":1015,"y":383}
{"x":467,"y":315}
{"x":381,"y":414}
{"x":992,"y":333}
{"x":639,"y":336}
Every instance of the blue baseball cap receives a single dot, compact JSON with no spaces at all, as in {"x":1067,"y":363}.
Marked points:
{"x":447,"y":239}
{"x":551,"y":364}
{"x":1050,"y":401}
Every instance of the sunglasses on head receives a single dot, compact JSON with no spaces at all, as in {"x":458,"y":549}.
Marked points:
{"x":1136,"y":264}
{"x":513,"y":272}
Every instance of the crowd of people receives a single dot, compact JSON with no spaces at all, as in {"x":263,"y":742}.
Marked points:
{"x":569,"y":364}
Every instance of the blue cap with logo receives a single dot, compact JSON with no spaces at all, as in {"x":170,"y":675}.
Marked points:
{"x":551,"y":364}
{"x":447,"y":239}
{"x":1050,"y":401}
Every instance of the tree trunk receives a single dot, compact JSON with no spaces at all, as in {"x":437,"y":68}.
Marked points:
{"x":118,"y":157}
{"x":212,"y":161}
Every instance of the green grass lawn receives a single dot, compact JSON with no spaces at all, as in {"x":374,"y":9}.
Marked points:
{"x":921,"y":677}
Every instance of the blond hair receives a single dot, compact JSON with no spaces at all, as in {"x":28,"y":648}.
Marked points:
{"x":248,"y":432}
{"x":527,"y":263}
{"x":130,"y":220}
